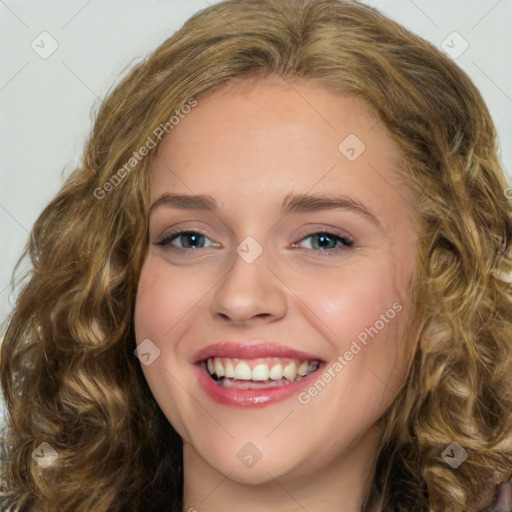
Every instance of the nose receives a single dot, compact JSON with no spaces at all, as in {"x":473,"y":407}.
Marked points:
{"x":249,"y":292}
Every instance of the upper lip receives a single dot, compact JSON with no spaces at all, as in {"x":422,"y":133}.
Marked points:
{"x":252,"y":350}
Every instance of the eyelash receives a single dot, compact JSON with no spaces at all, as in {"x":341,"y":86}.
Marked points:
{"x":349,"y":243}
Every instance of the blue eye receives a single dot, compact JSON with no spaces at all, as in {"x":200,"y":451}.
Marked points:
{"x":191,"y":239}
{"x":323,"y":238}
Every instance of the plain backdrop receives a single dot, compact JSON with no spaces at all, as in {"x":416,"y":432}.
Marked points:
{"x":59,"y":59}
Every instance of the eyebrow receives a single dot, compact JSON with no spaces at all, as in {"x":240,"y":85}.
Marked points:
{"x":291,"y":203}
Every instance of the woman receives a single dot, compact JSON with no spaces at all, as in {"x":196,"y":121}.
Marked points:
{"x":262,"y":371}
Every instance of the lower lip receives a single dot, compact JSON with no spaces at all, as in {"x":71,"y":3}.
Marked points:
{"x":253,"y":398}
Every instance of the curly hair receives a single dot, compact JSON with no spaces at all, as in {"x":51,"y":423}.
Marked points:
{"x":68,"y":371}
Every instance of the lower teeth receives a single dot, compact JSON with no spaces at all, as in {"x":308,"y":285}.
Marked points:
{"x":253,"y":384}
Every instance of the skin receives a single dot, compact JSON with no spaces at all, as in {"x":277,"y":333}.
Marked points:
{"x":248,"y":147}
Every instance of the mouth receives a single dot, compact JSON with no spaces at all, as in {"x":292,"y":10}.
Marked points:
{"x":253,"y":375}
{"x":261,"y":373}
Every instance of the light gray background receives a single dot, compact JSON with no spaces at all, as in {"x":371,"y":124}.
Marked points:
{"x":47,"y":104}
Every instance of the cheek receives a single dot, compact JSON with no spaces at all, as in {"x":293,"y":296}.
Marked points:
{"x":160,"y":304}
{"x":361,"y":312}
{"x":348,"y":300}
{"x":163,"y":300}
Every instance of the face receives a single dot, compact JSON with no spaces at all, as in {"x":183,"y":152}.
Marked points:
{"x":259,"y":281}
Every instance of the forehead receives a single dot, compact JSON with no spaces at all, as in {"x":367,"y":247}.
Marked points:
{"x":253,"y":144}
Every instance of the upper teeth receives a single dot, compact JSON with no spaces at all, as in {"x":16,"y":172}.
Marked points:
{"x":258,"y":369}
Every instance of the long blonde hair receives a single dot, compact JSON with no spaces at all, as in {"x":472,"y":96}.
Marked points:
{"x":68,"y":372}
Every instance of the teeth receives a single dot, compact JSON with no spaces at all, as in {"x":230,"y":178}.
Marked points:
{"x":219,"y":369}
{"x":276,"y":372}
{"x":303,"y":368}
{"x":229,"y":370}
{"x":242,"y":371}
{"x":290,"y":372}
{"x":260,"y":372}
{"x":256,"y":370}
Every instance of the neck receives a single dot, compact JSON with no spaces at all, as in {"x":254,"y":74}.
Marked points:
{"x":341,"y":486}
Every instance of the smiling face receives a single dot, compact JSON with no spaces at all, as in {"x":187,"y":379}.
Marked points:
{"x":331,"y":284}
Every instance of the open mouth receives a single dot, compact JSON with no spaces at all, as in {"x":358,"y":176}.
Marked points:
{"x":258,"y":373}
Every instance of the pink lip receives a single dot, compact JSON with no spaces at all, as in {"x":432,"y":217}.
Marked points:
{"x":253,"y":398}
{"x":250,"y":398}
{"x":251,"y":350}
